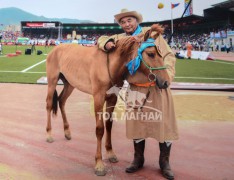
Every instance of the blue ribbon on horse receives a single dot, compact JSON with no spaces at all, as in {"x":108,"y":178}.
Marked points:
{"x":134,"y":64}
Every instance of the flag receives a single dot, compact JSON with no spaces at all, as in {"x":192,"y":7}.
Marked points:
{"x":189,"y":10}
{"x":174,"y":5}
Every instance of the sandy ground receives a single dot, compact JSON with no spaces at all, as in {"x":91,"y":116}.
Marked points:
{"x":204,"y":105}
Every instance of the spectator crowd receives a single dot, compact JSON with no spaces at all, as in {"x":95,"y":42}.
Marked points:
{"x":200,"y":41}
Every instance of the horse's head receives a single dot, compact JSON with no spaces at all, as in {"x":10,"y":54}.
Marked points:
{"x":153,"y":64}
{"x":145,"y":56}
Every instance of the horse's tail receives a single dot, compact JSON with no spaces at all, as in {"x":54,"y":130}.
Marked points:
{"x":56,"y":97}
{"x":55,"y":103}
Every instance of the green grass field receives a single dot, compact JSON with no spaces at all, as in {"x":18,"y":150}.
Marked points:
{"x":29,"y":68}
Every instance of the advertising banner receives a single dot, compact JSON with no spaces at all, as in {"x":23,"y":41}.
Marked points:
{"x":41,"y":25}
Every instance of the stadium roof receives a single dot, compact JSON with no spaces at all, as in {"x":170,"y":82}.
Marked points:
{"x":222,"y":11}
{"x":186,"y":20}
{"x":226,"y":4}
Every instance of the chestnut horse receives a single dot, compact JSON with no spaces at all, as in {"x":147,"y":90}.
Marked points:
{"x":93,"y":71}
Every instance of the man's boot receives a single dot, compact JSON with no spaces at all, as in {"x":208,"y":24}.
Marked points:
{"x":164,"y":160}
{"x":139,"y":159}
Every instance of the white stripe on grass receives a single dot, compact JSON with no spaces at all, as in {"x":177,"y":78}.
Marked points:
{"x":222,"y":62}
{"x":25,"y":70}
{"x":231,"y":79}
{"x":22,"y":72}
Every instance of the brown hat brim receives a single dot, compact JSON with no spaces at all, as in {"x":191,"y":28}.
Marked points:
{"x":138,"y":16}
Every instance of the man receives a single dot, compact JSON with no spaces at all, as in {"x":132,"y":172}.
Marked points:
{"x":189,"y":50}
{"x":164,"y":131}
{"x":0,"y":48}
{"x":228,"y":48}
{"x":33,"y":48}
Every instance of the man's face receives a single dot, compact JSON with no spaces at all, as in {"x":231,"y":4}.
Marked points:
{"x":129,"y":24}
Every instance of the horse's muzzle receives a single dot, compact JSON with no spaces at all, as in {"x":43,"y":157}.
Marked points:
{"x":162,"y":84}
{"x":165,"y":85}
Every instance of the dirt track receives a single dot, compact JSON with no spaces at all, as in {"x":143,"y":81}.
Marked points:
{"x":204,"y":151}
{"x":204,"y":105}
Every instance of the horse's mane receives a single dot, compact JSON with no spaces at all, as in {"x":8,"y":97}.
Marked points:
{"x":127,"y":45}
{"x":154,"y":31}
{"x":158,"y":28}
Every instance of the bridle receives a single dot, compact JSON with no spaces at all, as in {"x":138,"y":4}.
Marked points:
{"x":151,"y":74}
{"x":152,"y":77}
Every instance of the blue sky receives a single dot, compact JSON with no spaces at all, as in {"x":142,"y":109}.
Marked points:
{"x":103,"y":11}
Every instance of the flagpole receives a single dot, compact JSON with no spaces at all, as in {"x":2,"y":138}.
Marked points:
{"x":180,"y":19}
{"x":172,"y":42}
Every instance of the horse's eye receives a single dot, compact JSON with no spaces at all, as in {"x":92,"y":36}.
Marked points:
{"x":151,"y":55}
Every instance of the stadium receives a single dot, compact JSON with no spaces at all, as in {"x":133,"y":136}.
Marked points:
{"x":215,"y":27}
{"x":202,"y":92}
{"x":211,"y":37}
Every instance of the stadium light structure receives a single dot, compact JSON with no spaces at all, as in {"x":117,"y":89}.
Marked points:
{"x":59,"y":31}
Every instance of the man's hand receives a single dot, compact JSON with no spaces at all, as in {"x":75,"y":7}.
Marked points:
{"x":110,"y":45}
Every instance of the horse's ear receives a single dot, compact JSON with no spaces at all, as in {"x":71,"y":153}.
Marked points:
{"x":156,"y":29}
{"x":154,"y":32}
{"x":147,"y":34}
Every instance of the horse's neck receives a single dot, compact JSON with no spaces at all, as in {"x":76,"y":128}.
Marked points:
{"x":117,"y":66}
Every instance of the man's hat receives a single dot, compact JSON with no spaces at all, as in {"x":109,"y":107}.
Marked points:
{"x":125,"y":13}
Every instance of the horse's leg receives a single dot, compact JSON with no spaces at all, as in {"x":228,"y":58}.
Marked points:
{"x":110,"y":105}
{"x":99,"y":99}
{"x":49,"y":106}
{"x":67,"y":90}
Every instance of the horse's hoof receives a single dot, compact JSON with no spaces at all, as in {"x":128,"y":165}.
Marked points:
{"x":68,"y":137}
{"x":113,"y":159}
{"x":49,"y":140}
{"x":67,"y":134}
{"x":100,"y":173}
